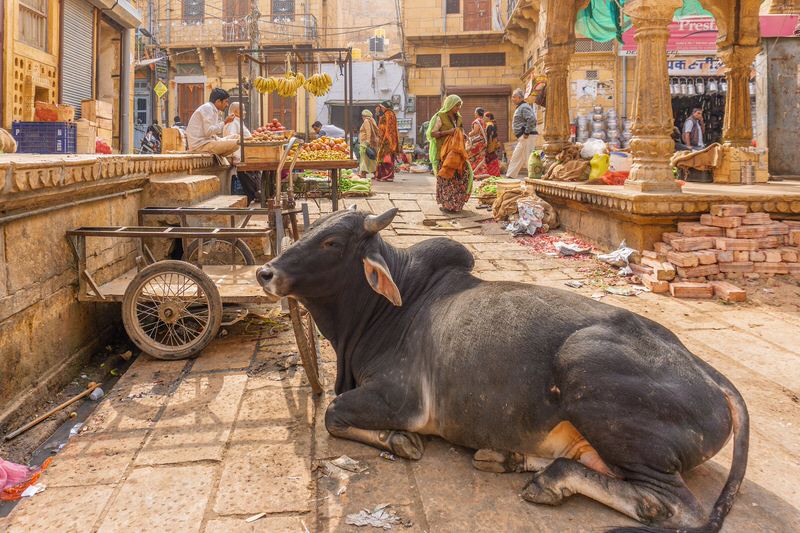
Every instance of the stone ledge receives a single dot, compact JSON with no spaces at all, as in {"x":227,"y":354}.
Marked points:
{"x":779,"y":200}
{"x":24,"y":172}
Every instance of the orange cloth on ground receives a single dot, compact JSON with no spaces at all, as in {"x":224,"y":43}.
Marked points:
{"x":453,"y":155}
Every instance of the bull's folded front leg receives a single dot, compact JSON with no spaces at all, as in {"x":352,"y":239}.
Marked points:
{"x":367,"y":416}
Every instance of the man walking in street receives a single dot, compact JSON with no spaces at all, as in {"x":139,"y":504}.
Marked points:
{"x":524,"y":125}
{"x":693,"y":130}
{"x":205,"y":129}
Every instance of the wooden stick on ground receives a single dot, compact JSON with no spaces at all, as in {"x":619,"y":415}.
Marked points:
{"x":90,"y":388}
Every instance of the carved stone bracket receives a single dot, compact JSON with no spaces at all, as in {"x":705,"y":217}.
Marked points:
{"x":737,"y":128}
{"x":652,"y":145}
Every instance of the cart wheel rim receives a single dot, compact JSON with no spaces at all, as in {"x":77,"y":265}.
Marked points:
{"x":219,"y":252}
{"x":172,"y":310}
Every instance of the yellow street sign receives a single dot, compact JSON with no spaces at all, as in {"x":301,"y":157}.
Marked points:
{"x":160,"y":89}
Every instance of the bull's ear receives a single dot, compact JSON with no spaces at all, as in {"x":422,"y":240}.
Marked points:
{"x":380,"y":279}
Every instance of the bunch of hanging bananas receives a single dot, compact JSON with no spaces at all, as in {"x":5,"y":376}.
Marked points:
{"x":285,"y":86}
{"x":319,"y":84}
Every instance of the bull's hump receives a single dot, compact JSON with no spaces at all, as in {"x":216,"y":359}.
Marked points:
{"x":441,"y":253}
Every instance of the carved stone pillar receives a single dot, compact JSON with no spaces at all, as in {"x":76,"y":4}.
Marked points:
{"x":737,"y":129}
{"x":556,"y":118}
{"x":652,"y":144}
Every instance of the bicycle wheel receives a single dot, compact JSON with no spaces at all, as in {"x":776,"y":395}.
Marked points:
{"x":220,"y":252}
{"x":171,"y":310}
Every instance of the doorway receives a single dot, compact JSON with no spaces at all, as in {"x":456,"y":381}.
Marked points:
{"x":190,"y":97}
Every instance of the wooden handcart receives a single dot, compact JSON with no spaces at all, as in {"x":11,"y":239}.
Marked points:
{"x":172,"y":309}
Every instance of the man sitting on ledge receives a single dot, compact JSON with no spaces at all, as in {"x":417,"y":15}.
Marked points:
{"x":205,"y":129}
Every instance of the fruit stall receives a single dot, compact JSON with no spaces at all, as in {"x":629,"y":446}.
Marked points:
{"x":269,"y":148}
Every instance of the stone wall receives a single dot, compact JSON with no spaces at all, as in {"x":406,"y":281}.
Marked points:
{"x":45,"y":333}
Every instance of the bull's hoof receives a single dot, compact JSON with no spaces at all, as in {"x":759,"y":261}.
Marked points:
{"x":535,"y":492}
{"x":406,"y":445}
{"x":497,"y":462}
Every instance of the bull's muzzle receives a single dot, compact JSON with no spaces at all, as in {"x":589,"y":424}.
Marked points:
{"x":267,"y":277}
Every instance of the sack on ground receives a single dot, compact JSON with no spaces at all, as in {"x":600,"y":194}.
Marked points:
{"x":535,"y":166}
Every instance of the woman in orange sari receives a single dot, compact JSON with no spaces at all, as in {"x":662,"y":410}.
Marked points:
{"x":389,"y":142}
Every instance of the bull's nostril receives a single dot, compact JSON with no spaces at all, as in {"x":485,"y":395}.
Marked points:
{"x":264,"y":275}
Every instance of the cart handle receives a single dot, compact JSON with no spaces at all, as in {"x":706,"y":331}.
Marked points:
{"x":282,"y":162}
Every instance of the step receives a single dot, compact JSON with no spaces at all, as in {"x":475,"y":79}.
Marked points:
{"x":221,"y":201}
{"x":170,"y":191}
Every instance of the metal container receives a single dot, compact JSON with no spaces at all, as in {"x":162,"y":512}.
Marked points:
{"x":699,"y":86}
{"x":713,"y":86}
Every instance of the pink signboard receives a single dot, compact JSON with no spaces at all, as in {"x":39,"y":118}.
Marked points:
{"x":698,"y":35}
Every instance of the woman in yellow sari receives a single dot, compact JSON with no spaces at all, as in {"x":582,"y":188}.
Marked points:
{"x":449,"y":156}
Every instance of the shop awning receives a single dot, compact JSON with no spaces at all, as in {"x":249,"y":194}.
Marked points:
{"x":698,"y":35}
{"x":120,"y":11}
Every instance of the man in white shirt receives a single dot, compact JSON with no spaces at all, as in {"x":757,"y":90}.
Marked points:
{"x":233,"y":128}
{"x":205,"y":129}
{"x":328,"y":130}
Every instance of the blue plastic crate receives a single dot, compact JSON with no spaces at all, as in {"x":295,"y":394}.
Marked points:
{"x":45,"y":137}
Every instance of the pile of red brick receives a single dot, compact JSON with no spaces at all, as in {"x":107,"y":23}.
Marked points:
{"x":728,"y":244}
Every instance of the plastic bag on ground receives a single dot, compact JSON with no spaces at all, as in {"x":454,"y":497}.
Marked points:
{"x":593,"y":147}
{"x":620,"y":257}
{"x":599,"y":167}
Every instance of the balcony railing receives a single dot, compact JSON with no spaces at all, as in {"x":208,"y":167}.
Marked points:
{"x":236,"y":30}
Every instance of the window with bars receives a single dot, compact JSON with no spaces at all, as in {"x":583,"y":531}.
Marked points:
{"x":33,"y":23}
{"x":376,"y":45}
{"x":282,"y":10}
{"x":592,"y":75}
{"x":453,"y":7}
{"x":194,"y":11}
{"x":478,"y":60}
{"x":584,"y":46}
{"x":429,"y":60}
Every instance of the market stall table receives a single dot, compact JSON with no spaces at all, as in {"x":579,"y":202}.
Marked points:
{"x":269,"y":170}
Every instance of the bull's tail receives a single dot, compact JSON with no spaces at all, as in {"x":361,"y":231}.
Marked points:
{"x":741,"y":443}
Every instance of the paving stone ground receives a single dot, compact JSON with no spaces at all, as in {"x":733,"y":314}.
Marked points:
{"x":202,"y":445}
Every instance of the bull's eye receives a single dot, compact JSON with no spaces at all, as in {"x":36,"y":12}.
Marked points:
{"x":331,"y":244}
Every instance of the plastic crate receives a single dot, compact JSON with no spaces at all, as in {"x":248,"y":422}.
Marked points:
{"x":45,"y":137}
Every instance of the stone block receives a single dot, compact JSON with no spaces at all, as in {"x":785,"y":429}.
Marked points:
{"x":694,"y":229}
{"x":789,"y":255}
{"x":771,"y":268}
{"x":748,"y":232}
{"x":197,"y":422}
{"x":699,"y":271}
{"x":721,"y":222}
{"x":662,"y":248}
{"x":669,"y":236}
{"x":706,"y":257}
{"x":728,"y":210}
{"x":756,"y":219}
{"x":691,"y":290}
{"x":690,"y":244}
{"x":683,"y":259}
{"x":794,"y":237}
{"x":728,"y":292}
{"x":167,"y":498}
{"x":180,"y":191}
{"x":769,"y":242}
{"x":737,"y":244}
{"x":652,"y":254}
{"x":724,"y":256}
{"x":740,"y":256}
{"x":778,"y":228}
{"x":773,"y":256}
{"x":741,"y":267}
{"x":758,"y":256}
{"x":656,"y":285}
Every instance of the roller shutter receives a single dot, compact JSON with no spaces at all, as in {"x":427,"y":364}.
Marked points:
{"x":77,"y":53}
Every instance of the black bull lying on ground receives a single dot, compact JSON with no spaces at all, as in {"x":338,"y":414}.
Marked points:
{"x":594,"y":399}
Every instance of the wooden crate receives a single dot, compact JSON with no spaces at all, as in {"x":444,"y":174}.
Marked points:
{"x":172,"y":140}
{"x":87,"y":137}
{"x":105,"y":123}
{"x":94,"y":109}
{"x":262,"y":152}
{"x":105,"y":134}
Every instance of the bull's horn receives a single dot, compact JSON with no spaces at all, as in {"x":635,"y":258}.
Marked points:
{"x":375,"y":223}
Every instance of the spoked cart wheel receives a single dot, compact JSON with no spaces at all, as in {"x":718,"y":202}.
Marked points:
{"x":220,"y":252}
{"x":171,"y":310}
{"x":305,"y":332}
